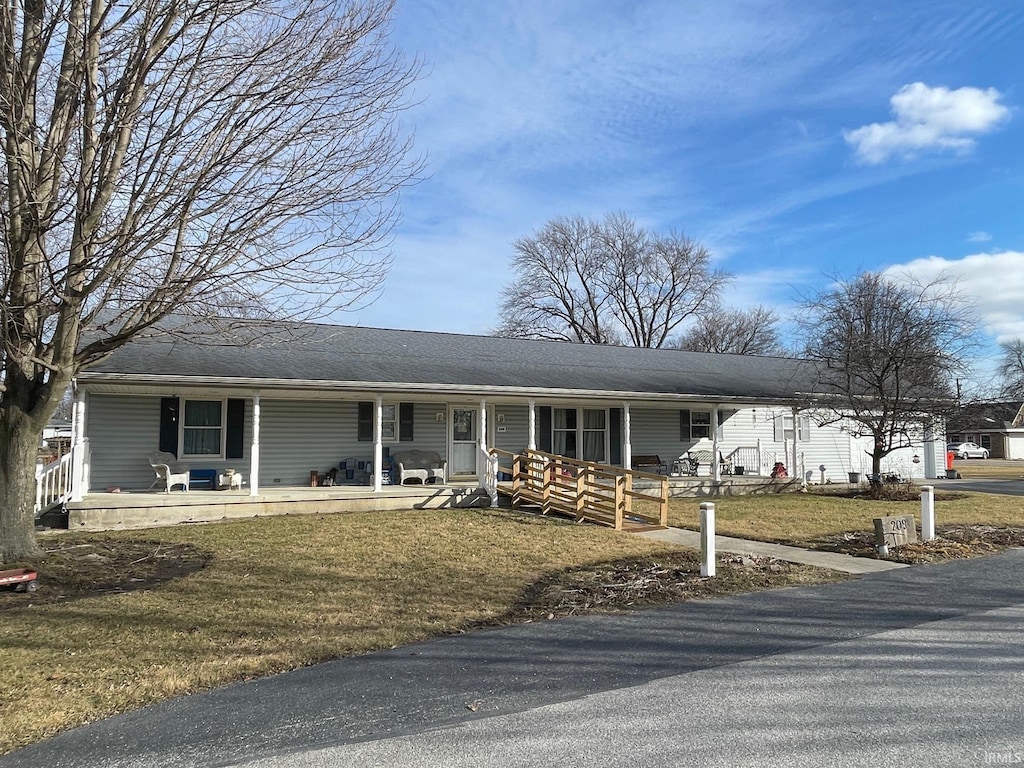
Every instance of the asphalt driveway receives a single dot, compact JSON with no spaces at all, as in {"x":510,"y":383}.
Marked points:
{"x":1005,"y":487}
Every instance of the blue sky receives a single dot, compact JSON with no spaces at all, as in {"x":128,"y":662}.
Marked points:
{"x":796,"y":140}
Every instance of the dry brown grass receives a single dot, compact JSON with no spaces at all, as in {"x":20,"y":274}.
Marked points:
{"x":279,"y":593}
{"x":978,"y":469}
{"x":803,"y":517}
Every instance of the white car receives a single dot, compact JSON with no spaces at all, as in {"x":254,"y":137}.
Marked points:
{"x":968,"y":450}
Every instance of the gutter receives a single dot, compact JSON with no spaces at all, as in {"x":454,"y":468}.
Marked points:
{"x":449,"y":390}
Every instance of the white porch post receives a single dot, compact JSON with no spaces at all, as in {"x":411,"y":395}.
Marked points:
{"x":78,"y":478}
{"x":716,"y":469}
{"x":627,"y":439}
{"x":481,"y":459}
{"x":254,"y":450}
{"x":796,"y":447}
{"x":532,"y":445}
{"x":929,"y":450}
{"x":378,"y":444}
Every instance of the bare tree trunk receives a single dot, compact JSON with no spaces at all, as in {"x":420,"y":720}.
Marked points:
{"x":19,"y":437}
{"x":194,"y":157}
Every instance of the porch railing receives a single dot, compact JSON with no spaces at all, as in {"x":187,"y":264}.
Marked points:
{"x":53,"y":484}
{"x":585,"y":491}
{"x":750,"y":457}
{"x":756,"y":460}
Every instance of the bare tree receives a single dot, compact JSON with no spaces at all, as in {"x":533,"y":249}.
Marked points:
{"x":181,"y":155}
{"x":737,"y":332}
{"x":555,"y":295}
{"x":1011,"y":369}
{"x":606,"y":282}
{"x":887,"y":354}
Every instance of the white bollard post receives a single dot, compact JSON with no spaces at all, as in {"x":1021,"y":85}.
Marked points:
{"x":927,"y":512}
{"x":707,"y":538}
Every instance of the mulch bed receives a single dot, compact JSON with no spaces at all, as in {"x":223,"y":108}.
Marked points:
{"x":952,"y":542}
{"x":664,"y":580}
{"x":71,"y":570}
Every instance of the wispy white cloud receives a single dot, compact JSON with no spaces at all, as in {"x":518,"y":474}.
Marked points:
{"x":979,"y":237}
{"x":994,"y":282}
{"x":722,"y":120}
{"x":929,"y":119}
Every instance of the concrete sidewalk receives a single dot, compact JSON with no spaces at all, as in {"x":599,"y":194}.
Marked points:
{"x":832,"y":560}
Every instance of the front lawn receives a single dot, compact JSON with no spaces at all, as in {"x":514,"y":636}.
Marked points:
{"x":129,"y":618}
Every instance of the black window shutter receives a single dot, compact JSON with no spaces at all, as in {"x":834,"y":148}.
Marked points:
{"x":405,"y":412}
{"x":684,"y":426}
{"x":365,"y":423}
{"x":234,"y":446}
{"x":615,"y":436}
{"x":169,"y":407}
{"x":544,"y":438}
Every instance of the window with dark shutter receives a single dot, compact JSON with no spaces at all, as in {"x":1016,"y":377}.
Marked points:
{"x":234,"y":446}
{"x":544,"y":428}
{"x":405,"y":421}
{"x":365,"y":422}
{"x":169,"y":410}
{"x":615,"y":436}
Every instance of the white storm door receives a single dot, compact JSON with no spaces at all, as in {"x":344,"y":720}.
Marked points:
{"x":465,"y":441}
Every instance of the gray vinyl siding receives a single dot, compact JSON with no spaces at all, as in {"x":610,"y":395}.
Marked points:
{"x":299,"y":436}
{"x":122,"y":432}
{"x":516,"y":436}
{"x":656,"y":432}
{"x":429,"y":433}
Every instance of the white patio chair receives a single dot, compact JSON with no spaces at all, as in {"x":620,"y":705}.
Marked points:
{"x":168,"y":471}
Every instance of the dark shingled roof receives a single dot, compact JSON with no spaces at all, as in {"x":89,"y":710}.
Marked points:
{"x":282,"y":352}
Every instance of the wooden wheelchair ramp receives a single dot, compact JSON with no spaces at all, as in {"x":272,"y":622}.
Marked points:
{"x":584,"y":491}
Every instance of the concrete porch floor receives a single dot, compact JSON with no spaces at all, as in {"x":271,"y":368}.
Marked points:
{"x":148,"y":508}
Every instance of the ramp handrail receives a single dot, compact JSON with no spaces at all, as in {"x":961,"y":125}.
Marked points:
{"x":584,"y":490}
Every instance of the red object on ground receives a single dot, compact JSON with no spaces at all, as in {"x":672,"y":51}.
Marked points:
{"x":950,"y":458}
{"x":21,"y":579}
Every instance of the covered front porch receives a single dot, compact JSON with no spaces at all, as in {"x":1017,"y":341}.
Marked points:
{"x":284,"y":438}
{"x":103,"y":510}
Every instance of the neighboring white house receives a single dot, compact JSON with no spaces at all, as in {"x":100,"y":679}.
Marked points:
{"x":277,"y":400}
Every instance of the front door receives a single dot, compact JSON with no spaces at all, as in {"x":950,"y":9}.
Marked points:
{"x":465,"y":441}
